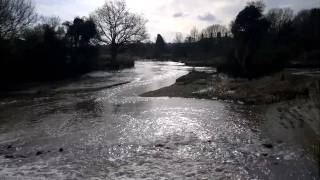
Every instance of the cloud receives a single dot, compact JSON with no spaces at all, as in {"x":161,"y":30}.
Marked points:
{"x":177,"y":15}
{"x":207,"y":17}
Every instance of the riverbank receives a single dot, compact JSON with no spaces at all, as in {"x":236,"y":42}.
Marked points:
{"x":272,"y":89}
{"x":289,"y":102}
{"x":186,"y":86}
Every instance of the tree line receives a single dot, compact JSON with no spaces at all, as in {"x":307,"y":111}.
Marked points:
{"x":36,"y":48}
{"x":256,"y":43}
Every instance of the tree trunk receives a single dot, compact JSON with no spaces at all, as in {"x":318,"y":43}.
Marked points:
{"x":245,"y":59}
{"x":114,"y":52}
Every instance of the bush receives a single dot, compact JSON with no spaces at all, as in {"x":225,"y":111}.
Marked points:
{"x":263,"y":62}
{"x":123,"y":61}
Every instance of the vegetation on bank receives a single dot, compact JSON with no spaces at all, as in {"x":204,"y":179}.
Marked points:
{"x":279,"y":87}
{"x":34,"y":48}
{"x":266,"y":43}
{"x":48,"y":52}
{"x":257,"y":43}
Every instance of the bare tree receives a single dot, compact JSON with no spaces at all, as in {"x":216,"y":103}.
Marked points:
{"x":194,"y":34}
{"x":53,"y":21}
{"x":279,"y":18}
{"x":258,"y":4}
{"x":15,"y":15}
{"x":214,"y":30}
{"x":178,"y":38}
{"x":117,"y":26}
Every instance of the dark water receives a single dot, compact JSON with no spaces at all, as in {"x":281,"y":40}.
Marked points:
{"x":90,"y":129}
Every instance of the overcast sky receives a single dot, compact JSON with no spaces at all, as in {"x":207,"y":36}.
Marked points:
{"x":167,"y":17}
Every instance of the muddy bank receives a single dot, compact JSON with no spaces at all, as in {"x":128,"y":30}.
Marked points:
{"x":296,"y":122}
{"x":272,"y":89}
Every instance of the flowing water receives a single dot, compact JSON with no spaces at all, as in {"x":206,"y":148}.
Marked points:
{"x":98,"y":127}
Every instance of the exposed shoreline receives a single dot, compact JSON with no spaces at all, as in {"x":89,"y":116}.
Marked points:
{"x":290,"y":104}
{"x":272,"y":89}
{"x":186,"y":86}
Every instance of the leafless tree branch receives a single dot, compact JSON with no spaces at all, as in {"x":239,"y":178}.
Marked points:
{"x":117,"y":25}
{"x":15,"y":15}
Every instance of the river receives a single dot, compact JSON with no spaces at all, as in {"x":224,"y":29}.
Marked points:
{"x":97,"y":127}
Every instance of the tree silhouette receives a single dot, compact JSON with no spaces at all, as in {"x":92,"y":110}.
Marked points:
{"x":178,"y":38}
{"x":307,"y":25}
{"x":248,"y":29}
{"x":117,"y":26}
{"x":81,"y":31}
{"x":160,"y":45}
{"x":15,"y":16}
{"x":194,"y":35}
{"x":279,"y":19}
{"x":213,"y":30}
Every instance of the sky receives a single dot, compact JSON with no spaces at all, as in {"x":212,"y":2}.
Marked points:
{"x":168,"y":17}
